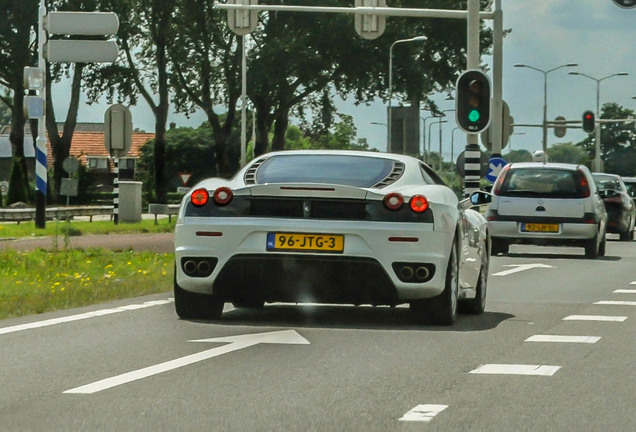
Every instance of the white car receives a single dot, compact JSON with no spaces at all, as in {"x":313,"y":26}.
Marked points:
{"x":340,"y":227}
{"x":547,"y":204}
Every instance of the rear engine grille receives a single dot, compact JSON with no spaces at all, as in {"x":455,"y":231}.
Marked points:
{"x":396,"y":173}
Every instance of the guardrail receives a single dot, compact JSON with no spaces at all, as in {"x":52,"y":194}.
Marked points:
{"x":27,"y":214}
{"x":163,"y":209}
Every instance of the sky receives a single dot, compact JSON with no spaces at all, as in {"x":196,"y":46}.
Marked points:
{"x":596,"y":34}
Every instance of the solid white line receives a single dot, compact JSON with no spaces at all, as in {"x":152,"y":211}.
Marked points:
{"x":594,"y":318}
{"x":423,"y":413}
{"x":516,"y":369}
{"x":633,"y":283}
{"x":625,"y":291}
{"x":70,"y":318}
{"x":564,"y":339}
{"x":616,"y":303}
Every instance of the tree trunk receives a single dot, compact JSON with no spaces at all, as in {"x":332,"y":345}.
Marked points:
{"x":280,"y":129}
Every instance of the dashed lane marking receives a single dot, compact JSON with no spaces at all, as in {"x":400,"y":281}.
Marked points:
{"x":516,"y":369}
{"x":616,"y":303}
{"x":93,"y":314}
{"x":564,"y":339}
{"x":423,"y":413}
{"x":595,"y":318}
{"x":625,"y":291}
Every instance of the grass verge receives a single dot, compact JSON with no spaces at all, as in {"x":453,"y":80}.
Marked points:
{"x":77,"y":228}
{"x":38,"y":281}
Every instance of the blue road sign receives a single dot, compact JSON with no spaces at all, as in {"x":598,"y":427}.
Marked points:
{"x":495,"y":165}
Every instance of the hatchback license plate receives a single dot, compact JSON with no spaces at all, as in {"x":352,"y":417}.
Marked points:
{"x":294,"y":242}
{"x":538,"y":227}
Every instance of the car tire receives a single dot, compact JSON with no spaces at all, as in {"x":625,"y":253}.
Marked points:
{"x":190,"y":305}
{"x":602,"y":246}
{"x":477,"y":305}
{"x":592,"y":247}
{"x":628,"y":234}
{"x":441,"y":310}
{"x":499,"y":247}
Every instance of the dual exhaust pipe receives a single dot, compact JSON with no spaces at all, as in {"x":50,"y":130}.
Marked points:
{"x":198,"y":267}
{"x":414,"y":272}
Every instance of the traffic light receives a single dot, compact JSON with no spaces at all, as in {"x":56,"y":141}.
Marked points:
{"x":472,"y":101}
{"x":588,"y":122}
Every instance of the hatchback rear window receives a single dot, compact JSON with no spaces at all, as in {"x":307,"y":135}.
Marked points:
{"x":548,"y":182}
{"x":358,"y":171}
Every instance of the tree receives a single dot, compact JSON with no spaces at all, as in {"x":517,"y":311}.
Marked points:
{"x":568,"y":153}
{"x":17,"y":17}
{"x":618,"y":141}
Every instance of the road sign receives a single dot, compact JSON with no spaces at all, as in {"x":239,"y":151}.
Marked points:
{"x":559,"y":131}
{"x":626,"y":4}
{"x":4,"y":187}
{"x":242,"y":22}
{"x":507,"y":127}
{"x":70,"y":165}
{"x":69,"y":187}
{"x":370,"y":26}
{"x":81,"y":51}
{"x":495,"y":165}
{"x":118,"y":130}
{"x":185,"y":177}
{"x":82,"y":23}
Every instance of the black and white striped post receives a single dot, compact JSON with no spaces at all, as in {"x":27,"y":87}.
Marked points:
{"x":116,"y":191}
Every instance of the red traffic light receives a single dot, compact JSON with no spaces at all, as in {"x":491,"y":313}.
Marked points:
{"x":588,"y":122}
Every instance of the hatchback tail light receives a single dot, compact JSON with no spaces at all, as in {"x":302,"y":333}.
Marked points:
{"x":496,"y":189}
{"x":585,"y":186}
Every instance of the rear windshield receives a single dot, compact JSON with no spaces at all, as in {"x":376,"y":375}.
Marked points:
{"x":548,"y":182}
{"x":631,"y":189}
{"x":358,"y":171}
{"x":607,"y":182}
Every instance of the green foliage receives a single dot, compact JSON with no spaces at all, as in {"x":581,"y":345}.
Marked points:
{"x":617,"y":141}
{"x":568,"y":153}
{"x":518,"y":156}
{"x":188,"y":150}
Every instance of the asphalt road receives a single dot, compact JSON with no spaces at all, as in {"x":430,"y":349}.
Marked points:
{"x":546,"y":356}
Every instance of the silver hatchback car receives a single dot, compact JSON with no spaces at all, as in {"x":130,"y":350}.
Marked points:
{"x":547,"y":204}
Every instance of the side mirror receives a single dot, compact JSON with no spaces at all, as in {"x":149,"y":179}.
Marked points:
{"x":480,"y":197}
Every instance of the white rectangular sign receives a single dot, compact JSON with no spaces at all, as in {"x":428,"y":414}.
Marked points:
{"x":81,"y":51}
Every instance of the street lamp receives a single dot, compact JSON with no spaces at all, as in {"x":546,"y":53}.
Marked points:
{"x":545,"y":96}
{"x":414,"y":39}
{"x":424,"y":135}
{"x":452,"y":156}
{"x":439,"y":122}
{"x":597,"y":156}
{"x":440,"y":139}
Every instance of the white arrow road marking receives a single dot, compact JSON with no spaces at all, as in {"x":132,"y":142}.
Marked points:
{"x":520,"y":267}
{"x":516,"y":369}
{"x":595,"y":318}
{"x":235,"y":343}
{"x":625,"y":291}
{"x":564,"y":339}
{"x":86,"y":315}
{"x":423,"y":413}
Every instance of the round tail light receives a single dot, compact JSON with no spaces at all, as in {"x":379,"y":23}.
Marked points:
{"x":200,"y":197}
{"x":393,"y":201}
{"x":418,"y":203}
{"x":223,"y":195}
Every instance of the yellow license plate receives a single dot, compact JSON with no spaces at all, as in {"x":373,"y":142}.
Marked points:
{"x":305,"y":242}
{"x":538,"y":227}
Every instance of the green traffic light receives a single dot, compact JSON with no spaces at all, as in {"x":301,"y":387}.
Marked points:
{"x":473,"y":115}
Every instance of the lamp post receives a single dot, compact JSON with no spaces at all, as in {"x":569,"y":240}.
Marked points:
{"x":424,"y":153}
{"x":545,"y":96}
{"x":597,"y":129}
{"x":440,"y":139}
{"x":438,"y":122}
{"x":414,"y":39}
{"x":452,"y":156}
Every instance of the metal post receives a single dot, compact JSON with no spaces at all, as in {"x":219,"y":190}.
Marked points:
{"x":472,"y":160}
{"x":243,"y":102}
{"x":497,"y":78}
{"x":40,"y":142}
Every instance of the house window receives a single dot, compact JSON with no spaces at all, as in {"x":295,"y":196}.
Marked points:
{"x":97,"y":162}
